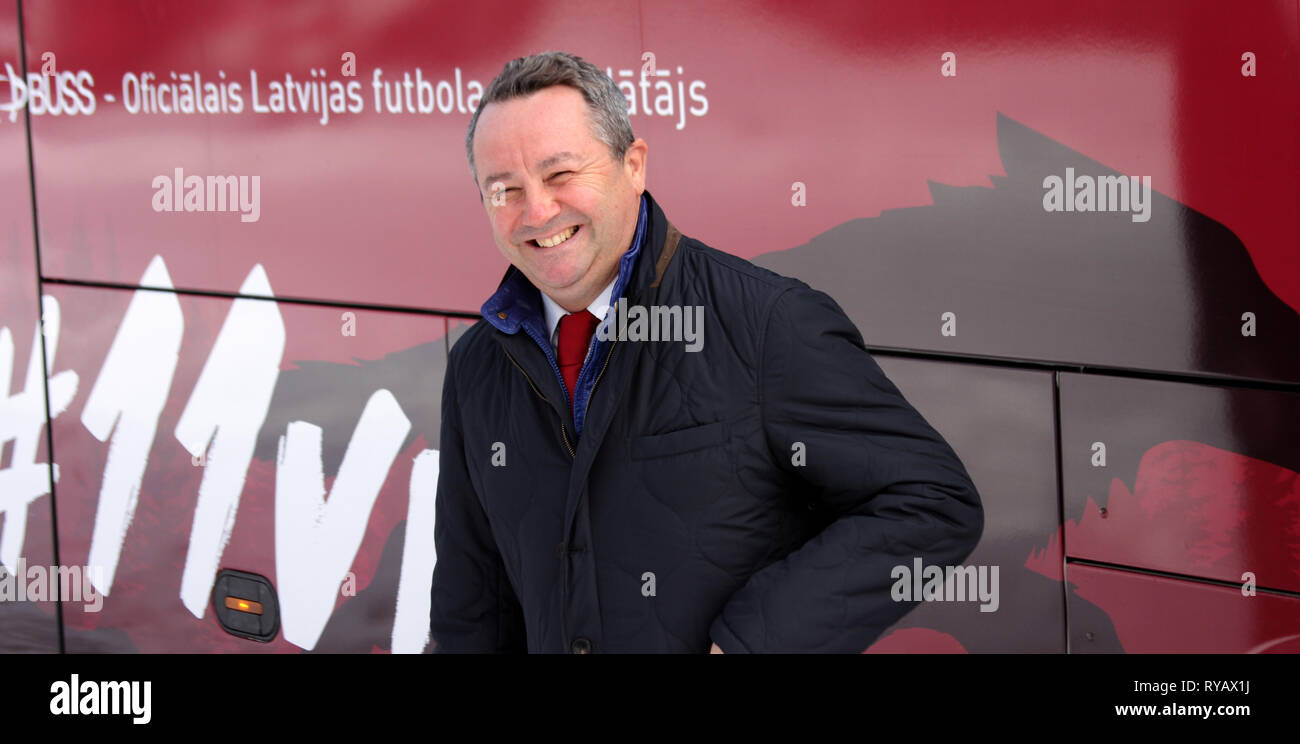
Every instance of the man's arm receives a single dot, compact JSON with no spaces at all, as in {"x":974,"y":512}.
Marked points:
{"x":895,"y":487}
{"x":473,"y":607}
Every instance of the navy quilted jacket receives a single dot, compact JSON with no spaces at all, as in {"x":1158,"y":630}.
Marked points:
{"x":756,"y":493}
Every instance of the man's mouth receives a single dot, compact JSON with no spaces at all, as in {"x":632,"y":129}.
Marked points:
{"x":555,"y":239}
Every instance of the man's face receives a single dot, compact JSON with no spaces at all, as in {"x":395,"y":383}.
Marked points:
{"x":541,"y":174}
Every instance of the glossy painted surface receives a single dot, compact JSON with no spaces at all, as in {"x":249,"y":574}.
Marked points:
{"x":846,"y":100}
{"x":26,"y":527}
{"x":369,"y":206}
{"x":1146,"y":614}
{"x":1197,"y":480}
{"x":326,"y":380}
{"x":989,"y":272}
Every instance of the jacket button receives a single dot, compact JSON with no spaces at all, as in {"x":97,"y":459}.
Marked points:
{"x":581,"y":646}
{"x":501,"y":315}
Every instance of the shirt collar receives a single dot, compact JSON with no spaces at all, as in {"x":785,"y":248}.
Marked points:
{"x":554,"y":312}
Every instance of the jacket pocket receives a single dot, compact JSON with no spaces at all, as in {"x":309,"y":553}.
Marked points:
{"x":680,"y":441}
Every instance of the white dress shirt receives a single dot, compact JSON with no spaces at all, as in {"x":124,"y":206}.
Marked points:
{"x":554,"y":312}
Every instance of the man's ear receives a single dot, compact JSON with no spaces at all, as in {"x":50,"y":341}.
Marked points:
{"x":634,"y":163}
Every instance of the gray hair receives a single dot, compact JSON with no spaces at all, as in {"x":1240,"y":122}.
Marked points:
{"x":527,"y":75}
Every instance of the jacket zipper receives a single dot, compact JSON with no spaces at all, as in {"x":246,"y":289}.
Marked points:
{"x":564,"y":432}
{"x":601,"y":374}
{"x":602,"y":370}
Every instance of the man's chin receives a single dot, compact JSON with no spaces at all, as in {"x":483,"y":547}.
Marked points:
{"x":561,"y":285}
{"x":560,"y":281}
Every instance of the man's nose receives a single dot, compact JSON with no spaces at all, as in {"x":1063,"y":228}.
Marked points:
{"x":540,"y":206}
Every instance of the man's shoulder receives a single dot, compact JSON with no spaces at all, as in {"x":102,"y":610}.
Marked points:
{"x":729,"y":270}
{"x":471,"y":344}
{"x":735,"y":282}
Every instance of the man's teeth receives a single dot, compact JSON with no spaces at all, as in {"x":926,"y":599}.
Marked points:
{"x":552,"y":242}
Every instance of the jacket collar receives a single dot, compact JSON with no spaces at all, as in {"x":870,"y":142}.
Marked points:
{"x":517,"y":303}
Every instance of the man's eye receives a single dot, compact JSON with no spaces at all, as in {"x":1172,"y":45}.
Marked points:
{"x":561,"y":173}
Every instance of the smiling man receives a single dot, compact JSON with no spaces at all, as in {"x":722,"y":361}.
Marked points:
{"x":600,"y":492}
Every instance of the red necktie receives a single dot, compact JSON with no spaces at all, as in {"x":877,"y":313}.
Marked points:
{"x":575,"y":337}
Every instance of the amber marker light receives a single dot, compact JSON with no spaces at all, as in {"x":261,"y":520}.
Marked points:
{"x":244,"y":605}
